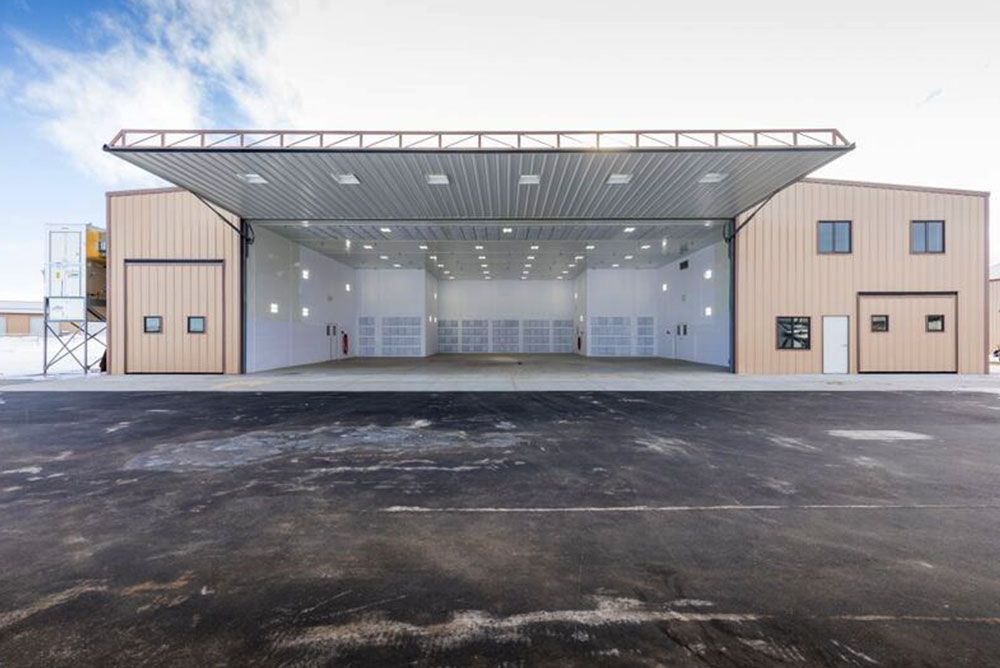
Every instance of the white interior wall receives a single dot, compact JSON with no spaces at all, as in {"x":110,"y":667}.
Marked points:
{"x":506,"y":316}
{"x":580,"y":313}
{"x":620,"y":304}
{"x":431,"y":320}
{"x":392,"y":313}
{"x":290,"y":336}
{"x":687,"y":296}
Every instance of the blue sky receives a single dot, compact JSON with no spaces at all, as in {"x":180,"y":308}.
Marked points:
{"x":918,"y":88}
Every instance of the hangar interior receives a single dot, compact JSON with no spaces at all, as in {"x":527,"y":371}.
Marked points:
{"x":412,"y":245}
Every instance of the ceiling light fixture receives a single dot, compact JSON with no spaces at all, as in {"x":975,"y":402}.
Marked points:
{"x":397,"y":266}
{"x":713,"y":177}
{"x":347,"y":179}
{"x":644,"y":247}
{"x":614,"y":266}
{"x":529,"y":179}
{"x":479,"y":247}
{"x":629,"y":257}
{"x":482,"y":257}
{"x":385,"y":230}
{"x":629,"y":230}
{"x":437,"y":179}
{"x":367,"y":246}
{"x":534,"y":247}
{"x":530,"y":257}
{"x":252,"y":177}
{"x":383,"y":257}
{"x":590,"y":246}
{"x":422,"y":246}
{"x":507,"y":230}
{"x":619,"y":179}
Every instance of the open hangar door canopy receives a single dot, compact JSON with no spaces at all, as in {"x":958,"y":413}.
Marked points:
{"x":489,"y":207}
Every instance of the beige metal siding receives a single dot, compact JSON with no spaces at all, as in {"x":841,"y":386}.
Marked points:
{"x":907,"y":346}
{"x":170,"y":224}
{"x":779,"y":272}
{"x":18,"y":324}
{"x":994,"y":314}
{"x":174,"y":292}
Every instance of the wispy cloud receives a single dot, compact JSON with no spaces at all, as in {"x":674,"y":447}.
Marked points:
{"x":160,"y":67}
{"x":934,"y":94}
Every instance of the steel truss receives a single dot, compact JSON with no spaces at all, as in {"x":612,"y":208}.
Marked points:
{"x":503,"y":140}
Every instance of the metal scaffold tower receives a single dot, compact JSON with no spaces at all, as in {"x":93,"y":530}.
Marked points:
{"x":75,"y":297}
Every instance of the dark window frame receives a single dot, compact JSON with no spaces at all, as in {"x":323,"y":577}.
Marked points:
{"x":204,"y":324}
{"x":927,"y":323}
{"x":872,"y":323}
{"x":145,"y":324}
{"x":923,"y":223}
{"x":833,"y":250}
{"x":795,"y":319}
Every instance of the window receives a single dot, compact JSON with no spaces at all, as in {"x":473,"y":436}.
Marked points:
{"x":196,"y":324}
{"x":152,"y":324}
{"x":793,"y":333}
{"x":880,"y":323}
{"x":935,"y":323}
{"x":834,"y":237}
{"x":927,"y":236}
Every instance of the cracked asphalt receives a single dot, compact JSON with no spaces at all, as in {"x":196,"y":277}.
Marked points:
{"x":489,"y":529}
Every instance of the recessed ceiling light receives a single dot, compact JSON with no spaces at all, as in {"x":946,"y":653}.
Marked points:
{"x":274,"y":307}
{"x":590,"y":246}
{"x":534,"y":247}
{"x":397,"y":266}
{"x":618,"y":179}
{"x":644,"y":247}
{"x":252,"y":177}
{"x":663,"y":287}
{"x":305,"y":311}
{"x":525,"y":272}
{"x":440,"y":266}
{"x":524,"y":278}
{"x":432,"y":257}
{"x":305,"y":223}
{"x":508,"y":230}
{"x":565,"y":271}
{"x":305,"y":274}
{"x":708,"y":274}
{"x":488,"y":278}
{"x":347,"y":179}
{"x":614,"y":266}
{"x":529,"y":179}
{"x":527,"y":266}
{"x":385,"y":230}
{"x":629,"y":230}
{"x":708,"y":311}
{"x":530,"y":257}
{"x":578,"y":257}
{"x":451,"y":278}
{"x":713,"y":177}
{"x":367,"y":246}
{"x":482,"y":257}
{"x":571,"y":265}
{"x":446,"y":273}
{"x":422,"y":246}
{"x":347,"y":244}
{"x":479,"y":248}
{"x":383,"y":257}
{"x":484,"y":265}
{"x":629,"y":257}
{"x":559,"y":278}
{"x":437,"y":179}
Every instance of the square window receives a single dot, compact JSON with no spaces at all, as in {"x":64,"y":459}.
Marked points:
{"x":196,"y":324}
{"x":152,"y":324}
{"x":935,"y":323}
{"x":926,"y":236}
{"x":793,"y":332}
{"x":834,"y":237}
{"x":880,"y":323}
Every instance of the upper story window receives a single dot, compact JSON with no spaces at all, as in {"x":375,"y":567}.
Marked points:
{"x":834,"y":237}
{"x":927,"y":236}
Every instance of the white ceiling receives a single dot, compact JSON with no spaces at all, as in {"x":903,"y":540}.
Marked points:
{"x":554,"y":251}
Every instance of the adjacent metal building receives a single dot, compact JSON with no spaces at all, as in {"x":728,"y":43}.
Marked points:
{"x":278,"y":248}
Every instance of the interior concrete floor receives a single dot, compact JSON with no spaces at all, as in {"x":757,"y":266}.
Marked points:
{"x":507,"y":373}
{"x":499,"y":529}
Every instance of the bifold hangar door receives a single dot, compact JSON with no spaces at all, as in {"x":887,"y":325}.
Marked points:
{"x":174,"y":317}
{"x":908,"y":332}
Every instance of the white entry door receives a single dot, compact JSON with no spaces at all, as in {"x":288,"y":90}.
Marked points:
{"x":835,"y":340}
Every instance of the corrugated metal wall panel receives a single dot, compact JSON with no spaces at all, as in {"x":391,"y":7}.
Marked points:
{"x":779,"y":271}
{"x":170,"y":225}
